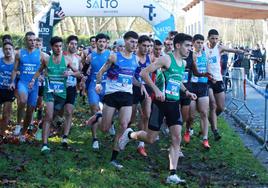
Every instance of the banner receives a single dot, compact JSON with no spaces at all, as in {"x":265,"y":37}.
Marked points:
{"x":161,"y":20}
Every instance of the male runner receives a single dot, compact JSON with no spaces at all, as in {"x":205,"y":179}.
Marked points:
{"x":216,"y":87}
{"x":166,"y":103}
{"x":96,"y":60}
{"x":27,"y":61}
{"x":120,"y":69}
{"x":141,"y":94}
{"x":6,"y":95}
{"x":73,"y":59}
{"x":199,"y":86}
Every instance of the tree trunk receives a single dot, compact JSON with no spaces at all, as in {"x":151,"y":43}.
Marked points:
{"x":4,"y":5}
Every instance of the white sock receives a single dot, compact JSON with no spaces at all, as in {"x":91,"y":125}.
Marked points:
{"x":141,"y":144}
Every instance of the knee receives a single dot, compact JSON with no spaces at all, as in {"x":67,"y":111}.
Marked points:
{"x":151,"y":139}
{"x":213,"y":106}
{"x":48,"y":117}
{"x":176,"y":139}
{"x":203,"y":114}
{"x":68,"y":112}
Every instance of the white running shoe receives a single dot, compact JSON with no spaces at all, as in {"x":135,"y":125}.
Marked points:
{"x":45,"y":149}
{"x":112,"y":130}
{"x":96,"y":145}
{"x":64,"y":142}
{"x":116,"y":164}
{"x":174,"y":179}
{"x":123,"y":140}
{"x":17,"y":130}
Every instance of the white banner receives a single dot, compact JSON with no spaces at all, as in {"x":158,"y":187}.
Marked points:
{"x":148,"y":9}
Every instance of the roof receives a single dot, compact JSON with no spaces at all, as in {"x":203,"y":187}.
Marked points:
{"x":237,"y":9}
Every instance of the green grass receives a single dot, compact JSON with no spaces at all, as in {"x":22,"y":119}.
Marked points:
{"x":227,"y":164}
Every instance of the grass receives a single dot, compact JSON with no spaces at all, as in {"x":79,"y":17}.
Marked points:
{"x":227,"y":164}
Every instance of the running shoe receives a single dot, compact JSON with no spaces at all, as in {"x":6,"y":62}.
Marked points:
{"x":206,"y":144}
{"x":64,"y":142}
{"x":116,"y":164}
{"x":174,"y":179}
{"x":217,"y":136}
{"x":141,"y":150}
{"x":45,"y":150}
{"x":112,"y":130}
{"x":17,"y":130}
{"x":124,"y":140}
{"x":96,"y":145}
{"x":187,"y":137}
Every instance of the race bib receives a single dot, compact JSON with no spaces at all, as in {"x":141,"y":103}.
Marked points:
{"x":173,"y":88}
{"x":56,"y":87}
{"x":194,"y":79}
{"x":185,"y":77}
{"x":125,"y":80}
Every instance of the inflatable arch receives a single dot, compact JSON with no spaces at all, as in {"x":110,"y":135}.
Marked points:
{"x":161,"y":20}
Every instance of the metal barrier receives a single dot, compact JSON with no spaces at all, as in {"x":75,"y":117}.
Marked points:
{"x":265,"y":136}
{"x":238,"y":90}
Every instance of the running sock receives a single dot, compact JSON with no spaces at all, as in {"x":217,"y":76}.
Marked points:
{"x":44,"y":145}
{"x":64,"y":136}
{"x":205,"y":138}
{"x":172,"y":172}
{"x":141,"y":144}
{"x":95,"y":139}
{"x":114,"y":155}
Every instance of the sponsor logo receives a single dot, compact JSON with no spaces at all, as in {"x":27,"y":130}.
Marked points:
{"x":102,"y":4}
{"x":151,"y":11}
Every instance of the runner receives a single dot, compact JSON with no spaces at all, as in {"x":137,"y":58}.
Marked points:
{"x":166,"y":103}
{"x":199,"y":86}
{"x":6,"y":95}
{"x":40,"y":106}
{"x":55,"y":90}
{"x":96,"y":60}
{"x":27,"y":61}
{"x":141,"y":94}
{"x":120,"y":69}
{"x":74,"y":60}
{"x":216,"y":87}
{"x":168,"y":43}
{"x":5,"y":38}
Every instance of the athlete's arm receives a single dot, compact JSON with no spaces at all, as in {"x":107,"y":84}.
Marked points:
{"x":226,"y":49}
{"x":162,"y":62}
{"x":44,"y":62}
{"x":195,"y":70}
{"x":14,"y":72}
{"x":192,"y":96}
{"x":105,"y":67}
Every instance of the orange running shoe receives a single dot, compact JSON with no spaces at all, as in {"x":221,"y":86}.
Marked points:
{"x":206,"y":144}
{"x":142,"y":151}
{"x":187,"y":137}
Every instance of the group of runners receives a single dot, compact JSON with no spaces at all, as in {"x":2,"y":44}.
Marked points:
{"x":140,"y":81}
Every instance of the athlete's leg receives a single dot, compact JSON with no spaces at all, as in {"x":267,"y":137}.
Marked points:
{"x":47,"y":121}
{"x":203,"y":107}
{"x":220,"y":101}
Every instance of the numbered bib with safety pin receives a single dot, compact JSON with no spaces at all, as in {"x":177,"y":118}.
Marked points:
{"x":56,"y":87}
{"x":173,"y":88}
{"x":125,"y":80}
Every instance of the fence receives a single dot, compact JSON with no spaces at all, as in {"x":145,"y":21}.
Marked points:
{"x":258,"y":100}
{"x":238,"y":90}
